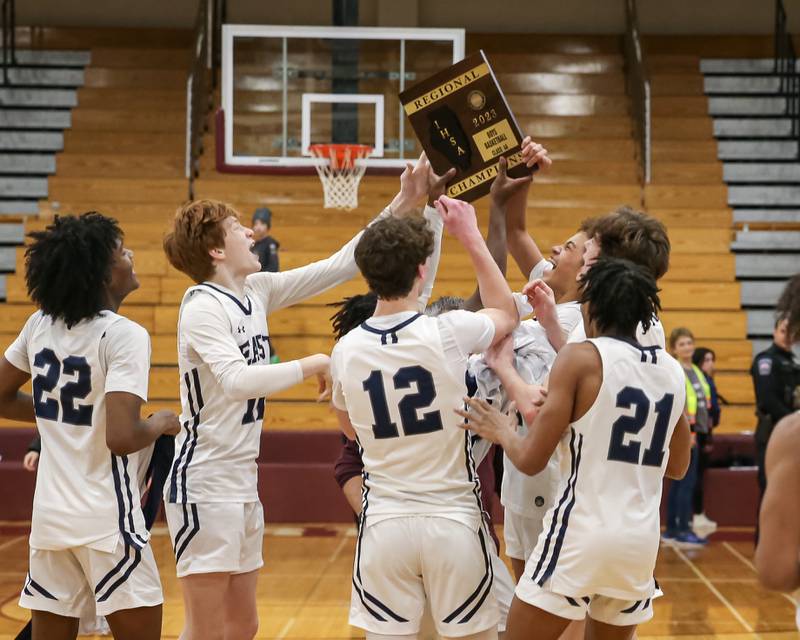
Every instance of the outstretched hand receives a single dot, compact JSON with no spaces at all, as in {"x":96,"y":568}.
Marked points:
{"x":459,"y":218}
{"x":413,"y":186}
{"x":437,"y":185}
{"x":504,"y":187}
{"x":486,"y":421}
{"x":534,"y":153}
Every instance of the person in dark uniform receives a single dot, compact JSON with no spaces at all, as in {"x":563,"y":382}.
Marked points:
{"x":266,"y":247}
{"x":776,"y":376}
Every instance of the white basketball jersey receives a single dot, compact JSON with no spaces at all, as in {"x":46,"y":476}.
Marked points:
{"x":85,"y":495}
{"x":602,"y":534}
{"x":521,"y":493}
{"x":400,"y":393}
{"x":653,"y":337}
{"x":216,"y":451}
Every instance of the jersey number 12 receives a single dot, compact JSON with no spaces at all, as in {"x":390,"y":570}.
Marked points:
{"x":636,"y":399}
{"x":383,"y":427}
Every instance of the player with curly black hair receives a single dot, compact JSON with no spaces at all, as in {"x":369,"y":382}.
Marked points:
{"x":615,"y":410}
{"x":90,"y":365}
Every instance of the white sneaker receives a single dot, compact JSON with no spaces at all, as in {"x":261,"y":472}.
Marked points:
{"x":702,"y":526}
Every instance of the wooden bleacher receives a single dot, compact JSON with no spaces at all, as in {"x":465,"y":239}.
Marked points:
{"x":569,"y":94}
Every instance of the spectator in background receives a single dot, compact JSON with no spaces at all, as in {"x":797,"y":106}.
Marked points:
{"x":266,"y":247}
{"x":776,"y":375}
{"x":705,"y":360}
{"x":698,"y":400}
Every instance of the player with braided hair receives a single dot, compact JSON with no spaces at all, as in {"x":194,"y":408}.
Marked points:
{"x":615,"y":411}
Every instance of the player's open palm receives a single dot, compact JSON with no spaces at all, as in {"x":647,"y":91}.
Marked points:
{"x":459,"y":218}
{"x":437,"y":185}
{"x":487,"y":422}
{"x":534,"y":153}
{"x":504,"y":188}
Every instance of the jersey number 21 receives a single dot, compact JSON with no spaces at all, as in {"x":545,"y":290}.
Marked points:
{"x":636,"y":399}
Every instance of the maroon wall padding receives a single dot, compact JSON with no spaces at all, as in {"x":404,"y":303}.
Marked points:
{"x":301,"y":493}
{"x":731,"y":496}
{"x":16,"y":491}
{"x":296,"y":479}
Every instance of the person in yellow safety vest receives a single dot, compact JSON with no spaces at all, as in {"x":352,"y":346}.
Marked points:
{"x":698,"y":401}
{"x":692,"y":396}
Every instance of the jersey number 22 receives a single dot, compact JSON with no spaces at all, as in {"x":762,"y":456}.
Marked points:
{"x":71,"y":413}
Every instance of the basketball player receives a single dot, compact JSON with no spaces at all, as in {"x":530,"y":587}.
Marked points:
{"x":621,"y":406}
{"x":349,"y":467}
{"x":529,"y":356}
{"x":778,"y":550}
{"x":89,"y":544}
{"x":212,"y":505}
{"x":623,"y":233}
{"x":421,"y":536}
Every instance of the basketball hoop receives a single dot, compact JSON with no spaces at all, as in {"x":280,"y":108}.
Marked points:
{"x":340,"y":171}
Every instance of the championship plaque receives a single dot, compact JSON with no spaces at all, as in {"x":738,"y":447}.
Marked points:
{"x":462,"y":120}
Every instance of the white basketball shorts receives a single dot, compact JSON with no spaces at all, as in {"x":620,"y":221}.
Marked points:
{"x":612,"y":611}
{"x":402,"y":562}
{"x":214,"y":537}
{"x":521,"y":533}
{"x":72,"y":582}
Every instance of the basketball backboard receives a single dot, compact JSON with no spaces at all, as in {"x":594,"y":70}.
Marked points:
{"x":285,"y":88}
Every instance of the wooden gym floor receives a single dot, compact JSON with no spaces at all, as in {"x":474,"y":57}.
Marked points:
{"x":304,"y":589}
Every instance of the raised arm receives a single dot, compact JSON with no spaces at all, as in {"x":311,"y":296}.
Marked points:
{"x":204,"y":329}
{"x":778,"y":550}
{"x":495,"y":241}
{"x":279,"y":290}
{"x":521,"y":245}
{"x":437,"y":185}
{"x":460,"y":220}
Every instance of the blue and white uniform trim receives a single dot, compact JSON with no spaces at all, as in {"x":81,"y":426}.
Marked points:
{"x":553,"y":542}
{"x":181,"y":463}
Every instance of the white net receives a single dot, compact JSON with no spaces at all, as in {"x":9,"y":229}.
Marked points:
{"x":340,"y":171}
